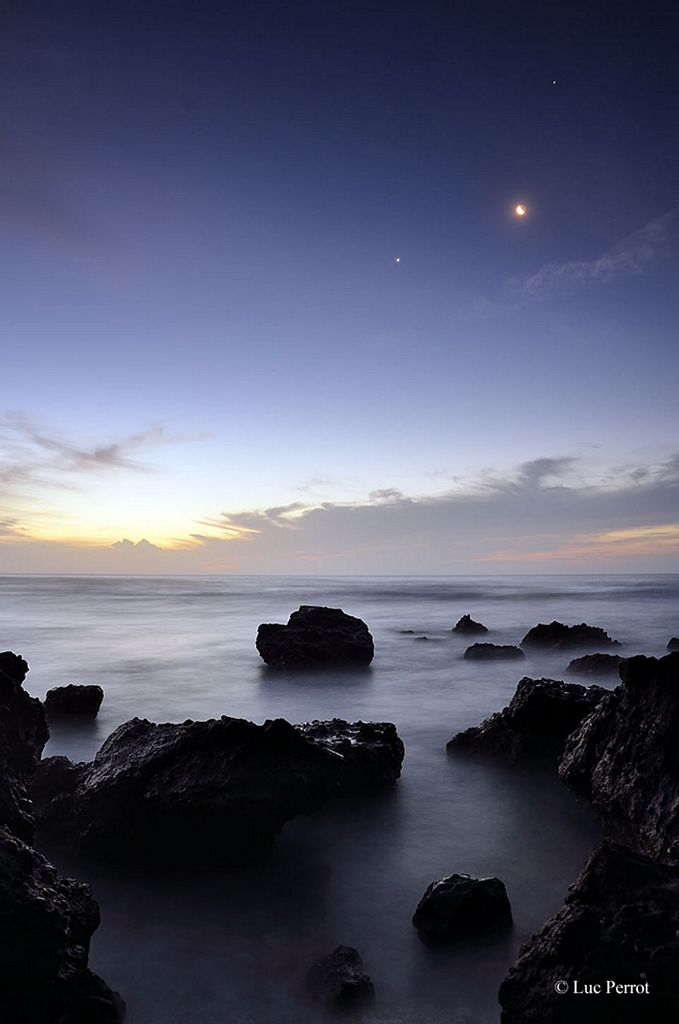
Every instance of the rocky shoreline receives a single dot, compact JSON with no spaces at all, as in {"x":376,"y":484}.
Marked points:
{"x":222,"y":789}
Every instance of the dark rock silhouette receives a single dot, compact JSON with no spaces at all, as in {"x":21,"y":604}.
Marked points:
{"x":315,"y":637}
{"x":484,"y":652}
{"x":46,"y":922}
{"x":560,"y":637}
{"x":459,"y":907}
{"x":673,"y":644}
{"x":52,"y":787}
{"x":619,"y":923}
{"x":23,"y":734}
{"x":536,"y":723}
{"x":468,"y":626}
{"x":75,"y":699}
{"x":372,"y":752}
{"x":338,"y":982}
{"x":218,"y":789}
{"x":596,"y":664}
{"x":625,"y":755}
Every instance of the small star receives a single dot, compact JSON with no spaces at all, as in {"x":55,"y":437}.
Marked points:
{"x":397,"y":259}
{"x":554,"y":81}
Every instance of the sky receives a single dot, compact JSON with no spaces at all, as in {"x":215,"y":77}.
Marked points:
{"x":266,"y":304}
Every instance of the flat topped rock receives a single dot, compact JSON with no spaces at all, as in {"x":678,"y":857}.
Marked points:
{"x":219,"y":789}
{"x":619,"y":923}
{"x":536,"y":723}
{"x":75,"y":699}
{"x":338,"y":981}
{"x":460,"y":906}
{"x":482,"y":652}
{"x":316,"y":637}
{"x":468,"y":626}
{"x":560,"y":637}
{"x":596,"y":664}
{"x":372,"y":752}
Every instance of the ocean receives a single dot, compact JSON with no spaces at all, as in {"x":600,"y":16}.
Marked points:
{"x":211,"y":946}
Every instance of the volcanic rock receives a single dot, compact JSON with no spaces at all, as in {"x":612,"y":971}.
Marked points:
{"x":484,"y":652}
{"x":460,"y":906}
{"x":673,"y":644}
{"x":625,"y":755}
{"x":619,"y":926}
{"x":559,"y":637}
{"x":338,"y":982}
{"x":372,"y":752}
{"x":467,"y":625}
{"x":52,"y":787}
{"x":23,"y":734}
{"x":75,"y":699}
{"x":540,"y":716}
{"x":316,"y":637}
{"x":46,"y":923}
{"x":595,"y":664}
{"x":221,"y":788}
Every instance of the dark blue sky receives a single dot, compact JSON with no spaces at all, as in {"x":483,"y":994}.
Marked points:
{"x":201,"y":208}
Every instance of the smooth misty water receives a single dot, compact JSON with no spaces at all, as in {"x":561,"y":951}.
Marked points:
{"x":231,"y":945}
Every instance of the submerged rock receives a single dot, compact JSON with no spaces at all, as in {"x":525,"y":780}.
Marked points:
{"x":625,"y":755}
{"x":673,"y":644}
{"x":536,"y":723}
{"x":460,"y":906}
{"x":46,"y":922}
{"x":372,"y":752}
{"x":596,"y":664}
{"x":338,"y":982}
{"x":315,"y":637}
{"x":467,"y":625}
{"x":560,"y":637}
{"x":74,"y":699}
{"x":23,"y":734}
{"x":619,"y":926}
{"x":221,"y":788}
{"x":481,"y":652}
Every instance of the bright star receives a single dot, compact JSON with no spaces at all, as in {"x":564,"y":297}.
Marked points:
{"x":520,"y":210}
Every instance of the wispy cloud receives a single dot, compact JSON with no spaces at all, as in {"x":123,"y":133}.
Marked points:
{"x":555,"y":512}
{"x":634,"y":255}
{"x":35,"y":462}
{"x":549,"y":509}
{"x":11,"y":528}
{"x":638,"y":254}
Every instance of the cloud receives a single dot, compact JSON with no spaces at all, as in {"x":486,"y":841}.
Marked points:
{"x":11,"y":528}
{"x":551,"y":513}
{"x":36,"y":462}
{"x":30,"y":455}
{"x":634,"y":255}
{"x":552,"y":509}
{"x":28,"y":448}
{"x":142,"y":545}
